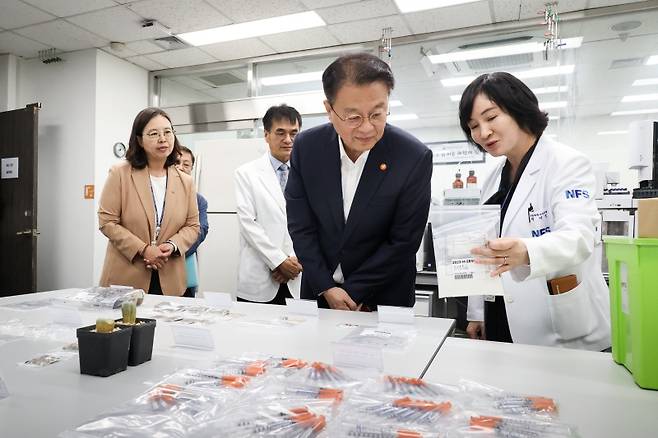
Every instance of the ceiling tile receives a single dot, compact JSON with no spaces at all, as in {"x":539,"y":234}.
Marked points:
{"x":181,"y":16}
{"x":146,"y":63}
{"x":368,"y":30}
{"x":124,"y":52}
{"x":249,"y":10}
{"x":18,"y":14}
{"x":535,"y":8}
{"x":300,"y":40}
{"x":19,"y":45}
{"x":506,"y":10}
{"x":144,"y":47}
{"x":65,"y":8}
{"x":248,"y":48}
{"x":116,"y":24}
{"x":62,"y":35}
{"x":182,"y":57}
{"x":317,"y":4}
{"x":452,"y":17}
{"x":358,"y":11}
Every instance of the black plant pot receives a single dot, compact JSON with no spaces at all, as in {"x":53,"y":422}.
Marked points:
{"x":103,"y":354}
{"x":141,"y":342}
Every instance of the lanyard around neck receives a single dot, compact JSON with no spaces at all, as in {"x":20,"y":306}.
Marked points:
{"x":158,"y":217}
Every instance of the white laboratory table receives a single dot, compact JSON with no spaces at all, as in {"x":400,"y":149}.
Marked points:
{"x":593,"y":393}
{"x":46,"y":401}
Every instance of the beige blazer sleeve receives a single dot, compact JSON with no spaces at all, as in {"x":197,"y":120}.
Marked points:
{"x":109,"y":216}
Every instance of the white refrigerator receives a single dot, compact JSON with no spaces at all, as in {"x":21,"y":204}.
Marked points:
{"x":218,"y":255}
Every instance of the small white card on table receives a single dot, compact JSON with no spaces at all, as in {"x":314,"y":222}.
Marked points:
{"x":218,"y":300}
{"x":395,"y":315}
{"x":302,"y":307}
{"x":187,"y":336}
{"x":358,"y":356}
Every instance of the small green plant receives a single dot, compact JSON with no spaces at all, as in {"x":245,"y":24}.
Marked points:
{"x":104,"y":325}
{"x":129,"y":312}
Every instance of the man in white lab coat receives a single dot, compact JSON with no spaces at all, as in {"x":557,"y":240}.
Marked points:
{"x":269,"y":272}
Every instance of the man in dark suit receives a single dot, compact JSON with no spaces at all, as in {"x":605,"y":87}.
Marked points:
{"x":358,"y":194}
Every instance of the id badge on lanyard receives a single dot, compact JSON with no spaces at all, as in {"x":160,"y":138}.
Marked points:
{"x":158,"y":220}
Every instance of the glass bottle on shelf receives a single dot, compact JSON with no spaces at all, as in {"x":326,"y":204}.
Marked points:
{"x":458,"y":183}
{"x":471,"y":180}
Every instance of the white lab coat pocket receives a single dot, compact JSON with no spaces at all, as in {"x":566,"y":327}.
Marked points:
{"x":571,"y":313}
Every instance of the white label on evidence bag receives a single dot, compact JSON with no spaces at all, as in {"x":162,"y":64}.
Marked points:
{"x":358,"y":356}
{"x":395,"y":315}
{"x":463,"y":277}
{"x":302,"y":307}
{"x":218,"y":300}
{"x":192,"y":337}
{"x":623,"y":280}
{"x":66,"y":315}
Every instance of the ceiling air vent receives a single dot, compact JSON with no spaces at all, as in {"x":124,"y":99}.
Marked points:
{"x":170,"y":43}
{"x":220,"y":79}
{"x":501,"y":62}
{"x":626,"y":63}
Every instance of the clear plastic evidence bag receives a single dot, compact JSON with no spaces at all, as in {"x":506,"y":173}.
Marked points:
{"x":455,"y":231}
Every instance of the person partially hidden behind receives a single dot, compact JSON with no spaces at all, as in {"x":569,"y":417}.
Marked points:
{"x":148,"y":211}
{"x":358,"y":194}
{"x":549,"y":251}
{"x":269,"y":271}
{"x":185,"y":163}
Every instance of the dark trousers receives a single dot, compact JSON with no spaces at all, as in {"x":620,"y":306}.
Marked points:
{"x":279,"y":299}
{"x":496,"y":326}
{"x":156,"y":289}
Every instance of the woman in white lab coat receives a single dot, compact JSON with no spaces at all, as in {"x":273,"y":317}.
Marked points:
{"x":550,"y":227}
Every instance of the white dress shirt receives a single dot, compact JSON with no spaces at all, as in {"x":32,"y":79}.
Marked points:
{"x":350,"y":175}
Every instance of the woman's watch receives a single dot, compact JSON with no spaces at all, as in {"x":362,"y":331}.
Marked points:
{"x":171,"y":242}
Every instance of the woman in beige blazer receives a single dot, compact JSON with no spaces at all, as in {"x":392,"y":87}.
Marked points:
{"x":148,"y":211}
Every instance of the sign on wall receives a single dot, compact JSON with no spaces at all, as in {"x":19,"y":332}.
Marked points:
{"x":455,"y":152}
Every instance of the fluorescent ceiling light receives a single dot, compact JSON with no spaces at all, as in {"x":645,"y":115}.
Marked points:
{"x":544,"y":90}
{"x":292,"y":78}
{"x":611,"y":132}
{"x":421,"y":5}
{"x":250,"y":29}
{"x":653,"y":60}
{"x":527,"y":74}
{"x":640,"y":97}
{"x":552,"y":105}
{"x":549,"y":90}
{"x":503,"y":50}
{"x":648,"y":81}
{"x":394,"y":103}
{"x":634,"y":112}
{"x":399,"y":117}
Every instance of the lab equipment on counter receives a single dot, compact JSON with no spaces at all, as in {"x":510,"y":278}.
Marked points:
{"x":634,"y":306}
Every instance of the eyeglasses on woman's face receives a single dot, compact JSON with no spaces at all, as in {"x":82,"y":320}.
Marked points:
{"x":154,"y":134}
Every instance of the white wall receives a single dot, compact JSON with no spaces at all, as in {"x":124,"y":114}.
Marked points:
{"x":89,"y":101}
{"x":121,"y":92}
{"x":8,"y":76}
{"x":66,"y":152}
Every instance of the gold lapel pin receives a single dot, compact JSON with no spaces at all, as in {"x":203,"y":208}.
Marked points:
{"x":383,"y":167}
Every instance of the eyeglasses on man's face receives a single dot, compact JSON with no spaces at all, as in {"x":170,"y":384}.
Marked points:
{"x":355,"y":120}
{"x":155,"y":134}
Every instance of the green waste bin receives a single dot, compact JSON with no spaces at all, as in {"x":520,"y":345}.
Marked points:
{"x":633,"y":269}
